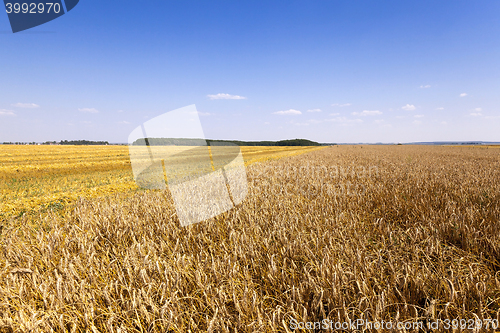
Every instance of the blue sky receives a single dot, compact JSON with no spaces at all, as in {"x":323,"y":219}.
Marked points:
{"x":329,"y":71}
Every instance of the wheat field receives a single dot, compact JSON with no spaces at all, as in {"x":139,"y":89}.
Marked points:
{"x":393,"y":233}
{"x":35,"y":178}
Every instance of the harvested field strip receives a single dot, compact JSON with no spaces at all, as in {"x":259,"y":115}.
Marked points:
{"x":41,"y":177}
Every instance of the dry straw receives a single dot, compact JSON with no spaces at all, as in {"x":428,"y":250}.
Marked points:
{"x":421,"y":243}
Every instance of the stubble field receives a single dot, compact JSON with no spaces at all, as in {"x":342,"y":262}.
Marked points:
{"x":392,"y":233}
{"x":41,"y":178}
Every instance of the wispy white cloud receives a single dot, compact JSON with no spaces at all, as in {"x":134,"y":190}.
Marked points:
{"x":382,"y":123}
{"x":439,"y":108}
{"x":288,"y":112}
{"x":418,"y":116}
{"x":476,"y":112}
{"x":4,"y":112}
{"x":314,"y":110}
{"x":417,"y":122}
{"x":199,"y":113}
{"x":463,"y":94}
{"x":409,"y":107}
{"x":86,"y":122}
{"x":344,"y":120}
{"x":334,"y":114}
{"x":225,"y":96}
{"x":26,"y":105}
{"x":341,"y":105}
{"x":425,"y":86}
{"x":267,"y":123}
{"x":367,"y":113}
{"x":124,"y":122}
{"x":119,"y":111}
{"x":88,"y":110}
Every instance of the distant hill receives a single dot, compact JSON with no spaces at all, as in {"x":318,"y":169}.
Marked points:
{"x":468,"y":143}
{"x":197,"y":142}
{"x":429,"y":143}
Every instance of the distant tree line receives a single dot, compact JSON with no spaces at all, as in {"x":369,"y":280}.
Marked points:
{"x":19,"y":143}
{"x":293,"y":142}
{"x":84,"y":143}
{"x":198,"y":142}
{"x":63,"y":142}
